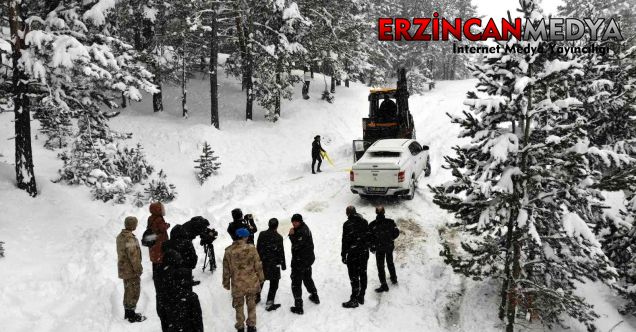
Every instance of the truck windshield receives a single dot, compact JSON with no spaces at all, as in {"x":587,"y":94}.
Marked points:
{"x":384,"y":154}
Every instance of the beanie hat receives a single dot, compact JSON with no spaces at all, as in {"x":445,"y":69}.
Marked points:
{"x":242,"y":233}
{"x":130,"y":223}
{"x":317,"y":137}
{"x":297,"y":217}
{"x":273,"y":223}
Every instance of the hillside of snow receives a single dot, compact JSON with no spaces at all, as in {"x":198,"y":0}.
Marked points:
{"x":60,"y":272}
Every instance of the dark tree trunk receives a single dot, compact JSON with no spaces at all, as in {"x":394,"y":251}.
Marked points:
{"x":123,"y":100}
{"x":347,"y":83}
{"x":184,"y":76}
{"x":214,"y":56}
{"x":249,"y":83}
{"x":507,"y":274}
{"x":277,"y":98}
{"x":157,"y":98}
{"x":452,"y":69}
{"x":513,"y":292}
{"x":311,"y":70}
{"x":241,"y":43}
{"x":246,"y":63}
{"x":333,"y":85}
{"x":25,"y":176}
{"x":249,"y":89}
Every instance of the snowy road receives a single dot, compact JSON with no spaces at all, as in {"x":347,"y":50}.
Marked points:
{"x":60,"y":270}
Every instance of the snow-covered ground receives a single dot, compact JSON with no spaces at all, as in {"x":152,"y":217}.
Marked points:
{"x":60,"y":270}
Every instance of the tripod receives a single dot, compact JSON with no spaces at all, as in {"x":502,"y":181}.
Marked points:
{"x":209,"y":257}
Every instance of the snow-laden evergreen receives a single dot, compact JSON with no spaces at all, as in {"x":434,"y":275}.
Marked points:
{"x":65,"y":59}
{"x":525,"y":189}
{"x":159,"y":190}
{"x":608,"y":93}
{"x":207,"y":163}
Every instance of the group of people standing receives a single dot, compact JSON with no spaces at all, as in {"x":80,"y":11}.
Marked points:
{"x":246,"y":266}
{"x":358,"y":239}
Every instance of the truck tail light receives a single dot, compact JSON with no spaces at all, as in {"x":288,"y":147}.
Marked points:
{"x":401,"y":176}
{"x":351,"y":176}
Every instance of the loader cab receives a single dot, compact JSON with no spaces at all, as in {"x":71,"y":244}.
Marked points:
{"x":389,"y":116}
{"x":383,"y":104}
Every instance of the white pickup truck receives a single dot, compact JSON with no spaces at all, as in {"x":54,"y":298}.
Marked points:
{"x":390,"y":167}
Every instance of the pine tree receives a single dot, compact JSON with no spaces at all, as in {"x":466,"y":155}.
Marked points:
{"x":206,"y":164}
{"x":209,"y":19}
{"x":158,"y":190}
{"x":135,"y":22}
{"x":268,"y":43}
{"x":98,"y":161}
{"x":278,"y":26}
{"x":619,"y":243}
{"x":525,"y":187}
{"x":335,"y":40}
{"x":1,"y":249}
{"x":56,"y":124}
{"x":62,"y":51}
{"x":608,"y":92}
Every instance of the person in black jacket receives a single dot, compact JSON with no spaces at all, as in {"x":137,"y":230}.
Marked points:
{"x":302,"y":259}
{"x":316,"y":149}
{"x":355,"y":253}
{"x":270,"y":249}
{"x":181,"y":242}
{"x":183,"y":309}
{"x":383,"y":233}
{"x":239,"y":222}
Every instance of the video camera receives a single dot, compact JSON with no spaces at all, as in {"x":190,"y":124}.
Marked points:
{"x":208,"y":236}
{"x":199,"y":226}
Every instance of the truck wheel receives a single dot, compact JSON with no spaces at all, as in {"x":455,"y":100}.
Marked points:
{"x":411,"y":193}
{"x":427,"y":171}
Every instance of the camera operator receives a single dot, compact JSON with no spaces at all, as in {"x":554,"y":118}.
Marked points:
{"x":181,"y":242}
{"x":183,"y":235}
{"x":238,"y":221}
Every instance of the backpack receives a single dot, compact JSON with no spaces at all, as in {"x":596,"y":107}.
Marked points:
{"x":149,"y":238}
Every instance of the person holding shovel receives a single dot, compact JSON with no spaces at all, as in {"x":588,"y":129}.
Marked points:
{"x":316,"y":150}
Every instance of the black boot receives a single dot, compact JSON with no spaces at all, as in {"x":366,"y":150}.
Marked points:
{"x":383,"y":288}
{"x":361,"y":299}
{"x":271,"y":306}
{"x":251,"y":329}
{"x":353,"y":303}
{"x":314,"y":297}
{"x":133,"y":317}
{"x":319,"y":171}
{"x":242,"y":329}
{"x":394,"y":281}
{"x":298,"y":307}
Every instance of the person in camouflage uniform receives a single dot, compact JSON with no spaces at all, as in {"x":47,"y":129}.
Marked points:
{"x":243,"y":273}
{"x":129,"y":268}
